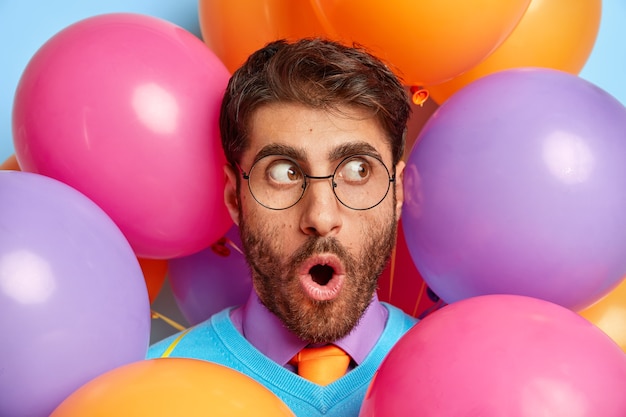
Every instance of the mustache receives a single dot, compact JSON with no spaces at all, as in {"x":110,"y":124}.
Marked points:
{"x":315,"y":245}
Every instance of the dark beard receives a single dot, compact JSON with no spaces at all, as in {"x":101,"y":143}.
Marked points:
{"x":279,"y":289}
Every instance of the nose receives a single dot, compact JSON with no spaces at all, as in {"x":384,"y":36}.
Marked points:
{"x":320,"y":208}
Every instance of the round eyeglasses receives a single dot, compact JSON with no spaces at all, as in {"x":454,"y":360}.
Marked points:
{"x":359,"y":182}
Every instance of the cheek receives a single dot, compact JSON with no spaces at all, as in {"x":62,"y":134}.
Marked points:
{"x":376,"y":223}
{"x":359,"y":231}
{"x":277,"y":230}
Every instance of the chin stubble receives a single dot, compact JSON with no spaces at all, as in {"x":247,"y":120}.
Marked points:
{"x":278,"y":287}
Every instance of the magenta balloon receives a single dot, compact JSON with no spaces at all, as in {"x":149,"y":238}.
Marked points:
{"x":517,"y":185}
{"x":73,"y":302}
{"x":124,"y":107}
{"x":210,"y":280}
{"x":501,"y":355}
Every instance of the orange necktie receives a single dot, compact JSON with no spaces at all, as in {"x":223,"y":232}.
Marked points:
{"x":321,"y":365}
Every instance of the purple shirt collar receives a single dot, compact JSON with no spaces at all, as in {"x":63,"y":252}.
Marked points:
{"x":266,"y":332}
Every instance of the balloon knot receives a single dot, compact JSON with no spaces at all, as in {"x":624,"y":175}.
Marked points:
{"x":220,"y":248}
{"x":420,"y":95}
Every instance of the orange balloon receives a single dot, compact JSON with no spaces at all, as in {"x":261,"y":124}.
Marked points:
{"x":10,"y":164}
{"x":169,"y":387}
{"x":609,"y":314}
{"x":154,"y":273}
{"x":558,"y":34}
{"x":234,"y":29}
{"x":428,"y":41}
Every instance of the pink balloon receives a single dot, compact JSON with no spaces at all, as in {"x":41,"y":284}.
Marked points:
{"x":124,"y":107}
{"x":210,"y":280}
{"x":501,"y":355}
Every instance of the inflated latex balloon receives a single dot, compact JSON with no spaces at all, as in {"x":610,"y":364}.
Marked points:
{"x":609,"y":314}
{"x":73,"y":302}
{"x":173,"y":387}
{"x":558,"y":34}
{"x":154,"y":274}
{"x":427,"y":41}
{"x":234,"y":29}
{"x":500,"y":355}
{"x":212,"y":279}
{"x":517,"y":185}
{"x":10,"y":164}
{"x":124,"y":107}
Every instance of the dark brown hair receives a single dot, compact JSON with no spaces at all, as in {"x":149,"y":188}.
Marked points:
{"x":318,"y":73}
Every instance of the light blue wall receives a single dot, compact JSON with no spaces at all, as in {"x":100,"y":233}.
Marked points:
{"x":606,"y":67}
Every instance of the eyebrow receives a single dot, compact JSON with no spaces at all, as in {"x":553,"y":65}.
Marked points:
{"x":278,"y":149}
{"x":353,"y":148}
{"x":340,"y":152}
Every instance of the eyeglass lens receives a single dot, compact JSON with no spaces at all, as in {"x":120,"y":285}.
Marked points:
{"x":359,"y":182}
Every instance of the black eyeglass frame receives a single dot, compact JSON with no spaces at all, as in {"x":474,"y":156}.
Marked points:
{"x":392,"y":178}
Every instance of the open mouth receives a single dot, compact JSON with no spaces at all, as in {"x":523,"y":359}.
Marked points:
{"x":321,"y":274}
{"x":322,"y":277}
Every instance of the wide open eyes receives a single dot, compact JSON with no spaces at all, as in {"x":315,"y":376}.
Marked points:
{"x":283,"y":172}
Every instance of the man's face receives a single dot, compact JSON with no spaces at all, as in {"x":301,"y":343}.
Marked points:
{"x":316,"y":264}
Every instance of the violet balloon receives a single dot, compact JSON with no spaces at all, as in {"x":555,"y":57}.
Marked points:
{"x":517,"y":184}
{"x":210,"y":280}
{"x":73,"y":302}
{"x":124,"y":107}
{"x":501,"y":355}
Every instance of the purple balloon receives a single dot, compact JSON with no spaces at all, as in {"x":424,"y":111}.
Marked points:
{"x":517,"y":185}
{"x":73,"y":302}
{"x":210,"y":280}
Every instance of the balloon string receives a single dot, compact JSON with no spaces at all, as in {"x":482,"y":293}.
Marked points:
{"x":233,"y":245}
{"x":392,"y":270}
{"x":172,"y":346}
{"x":169,"y":321}
{"x":440,"y":303}
{"x":419,"y":299}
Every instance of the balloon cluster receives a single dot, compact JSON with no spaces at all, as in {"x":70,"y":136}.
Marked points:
{"x":442,"y":45}
{"x":514,"y":210}
{"x":117,"y":169}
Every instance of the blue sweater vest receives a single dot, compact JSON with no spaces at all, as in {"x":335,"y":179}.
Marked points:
{"x":217,"y":340}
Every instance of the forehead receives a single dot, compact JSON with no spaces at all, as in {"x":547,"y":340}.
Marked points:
{"x":315,"y":135}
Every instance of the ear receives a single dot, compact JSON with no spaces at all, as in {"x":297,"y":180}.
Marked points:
{"x":399,"y":184}
{"x":230,"y":193}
